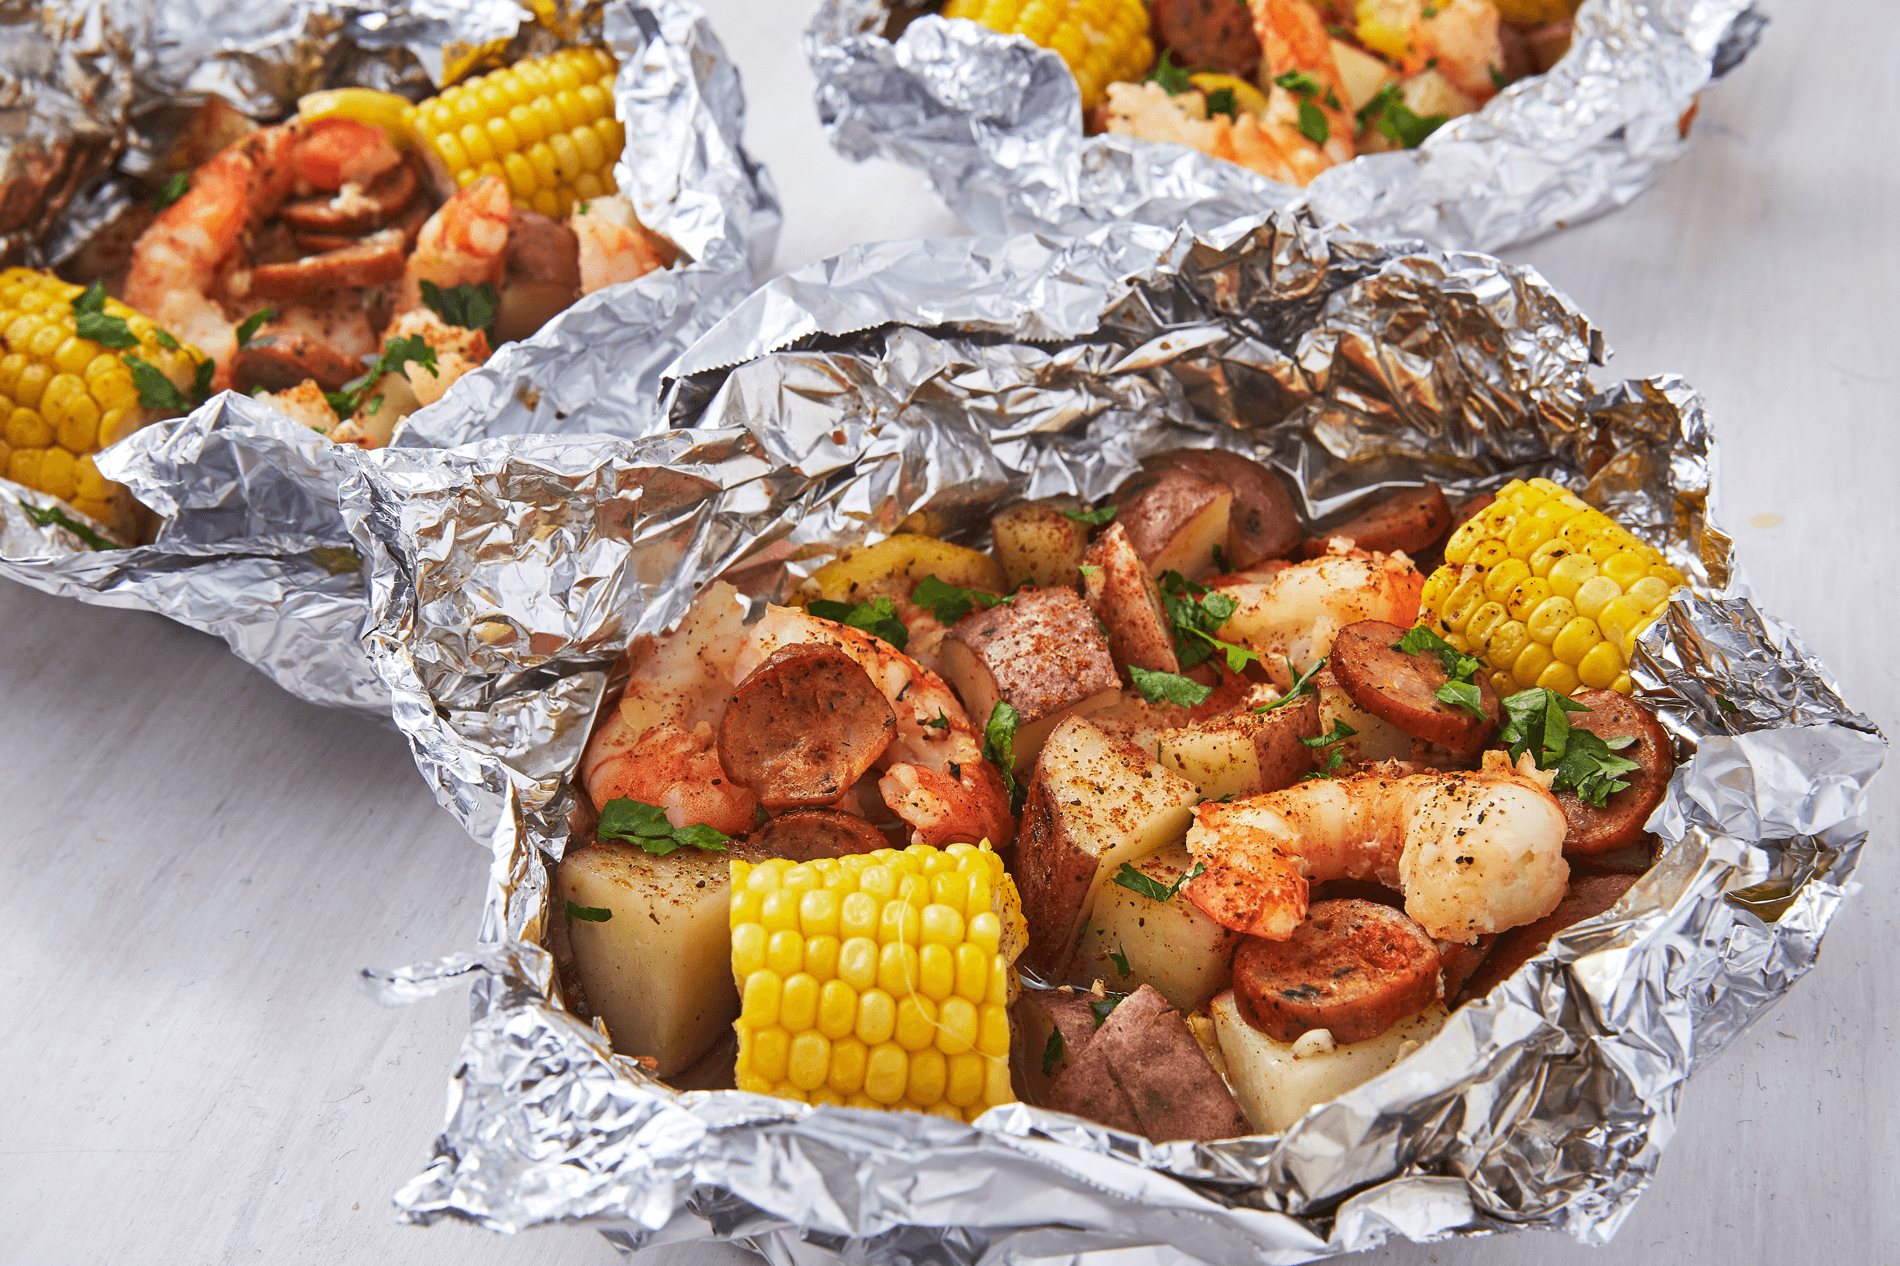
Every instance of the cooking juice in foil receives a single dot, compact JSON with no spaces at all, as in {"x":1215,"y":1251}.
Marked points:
{"x":249,"y":542}
{"x":926,"y":385}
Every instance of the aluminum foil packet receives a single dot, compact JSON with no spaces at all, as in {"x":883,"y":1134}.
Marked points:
{"x":922,"y":385}
{"x":995,"y":122}
{"x":251,"y":545}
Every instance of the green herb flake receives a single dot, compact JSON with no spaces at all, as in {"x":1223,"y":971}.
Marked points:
{"x":1136,"y":882}
{"x":878,"y":617}
{"x":165,"y":340}
{"x":1586,"y":763}
{"x":1395,"y":120}
{"x":1052,"y":1051}
{"x":172,"y":190}
{"x":1461,"y":691}
{"x":1089,"y":569}
{"x":1299,"y":84}
{"x":589,"y":914}
{"x":999,"y":749}
{"x":1104,"y":1006}
{"x":1303,"y":684}
{"x":1120,"y":958}
{"x":1334,"y":759}
{"x":1332,"y":101}
{"x":252,"y":324}
{"x":1220,"y":560}
{"x":201,"y":382}
{"x":1726,"y":704}
{"x":472,"y":307}
{"x":1173,"y":687}
{"x":53,"y":516}
{"x":1313,"y":124}
{"x":948,"y":602}
{"x":1102,"y":516}
{"x":1338,"y":734}
{"x":941,"y":722}
{"x":638,"y":823}
{"x":397,"y":352}
{"x":1221,"y":101}
{"x":759,"y":816}
{"x":338,"y":560}
{"x":1195,"y":614}
{"x":107,"y":331}
{"x":1173,"y":79}
{"x":1498,"y":80}
{"x":156,"y":391}
{"x":1428,"y":13}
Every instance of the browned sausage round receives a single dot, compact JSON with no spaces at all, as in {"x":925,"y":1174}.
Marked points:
{"x":379,"y":200}
{"x":1412,"y":520}
{"x":805,"y":834}
{"x":1217,"y":34}
{"x":1262,"y":522}
{"x":1354,"y":968}
{"x":1587,"y":896}
{"x":278,"y":359}
{"x":1619,"y":823}
{"x":368,"y":261}
{"x":803,"y":726}
{"x":1402,"y":689}
{"x":1456,"y":962}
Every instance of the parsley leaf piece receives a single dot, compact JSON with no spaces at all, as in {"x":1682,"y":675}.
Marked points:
{"x":1726,"y":704}
{"x":1088,"y":569}
{"x":1534,"y":722}
{"x":155,"y":389}
{"x":1498,"y":80}
{"x":1428,"y":12}
{"x":878,"y":617}
{"x":1119,"y":957}
{"x":1098,"y":517}
{"x":1136,"y":882}
{"x":1465,"y":695}
{"x":253,"y":323}
{"x":759,"y":816}
{"x":948,"y":602}
{"x":53,"y":516}
{"x":999,"y":749}
{"x":941,"y":722}
{"x":1338,"y":734}
{"x":165,"y":340}
{"x":397,"y":352}
{"x":1172,"y":78}
{"x":1313,"y":124}
{"x":1104,"y":1006}
{"x":592,"y":914}
{"x":107,"y":331}
{"x":1592,"y":768}
{"x":1194,"y":614}
{"x":472,"y":307}
{"x":1299,"y":84}
{"x":639,"y":823}
{"x":1332,"y":101}
{"x":1172,"y":687}
{"x":1303,"y":684}
{"x":1221,"y":101}
{"x":172,"y":190}
{"x":93,"y":299}
{"x":1334,"y":759}
{"x":1052,"y":1052}
{"x":201,"y":382}
{"x":1220,"y":559}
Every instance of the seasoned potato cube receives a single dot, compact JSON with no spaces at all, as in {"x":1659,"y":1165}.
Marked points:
{"x":1038,"y":1014}
{"x":1128,"y":602}
{"x":1244,"y":753}
{"x":1360,"y":73}
{"x":658,"y":970}
{"x":1174,"y":519}
{"x":1042,"y":653}
{"x":1169,"y":945}
{"x":1037,"y":543}
{"x":1144,"y":1073}
{"x":894,"y":565}
{"x":1093,"y":804}
{"x":1373,"y":738}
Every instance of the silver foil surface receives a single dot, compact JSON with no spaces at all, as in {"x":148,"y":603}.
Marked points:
{"x":252,"y":546}
{"x":925,"y":384}
{"x":996,"y":123}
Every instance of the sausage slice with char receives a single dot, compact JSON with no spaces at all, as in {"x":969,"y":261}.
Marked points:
{"x":1585,"y":898}
{"x":1619,"y":822}
{"x":1411,"y":520}
{"x":1354,"y":968}
{"x":804,"y":835}
{"x":804,"y":726}
{"x":1403,"y":689}
{"x":370,"y":261}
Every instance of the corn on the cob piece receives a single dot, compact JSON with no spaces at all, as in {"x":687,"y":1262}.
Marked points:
{"x":1548,"y":591}
{"x":64,"y":397}
{"x":1103,"y":41}
{"x":879,"y":980}
{"x":546,"y":125}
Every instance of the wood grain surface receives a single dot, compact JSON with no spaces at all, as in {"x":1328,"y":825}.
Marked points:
{"x":196,"y":864}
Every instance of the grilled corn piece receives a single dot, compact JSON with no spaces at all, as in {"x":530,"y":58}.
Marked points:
{"x":1548,"y":591}
{"x":64,"y":397}
{"x":1103,"y":41}
{"x":879,"y":980}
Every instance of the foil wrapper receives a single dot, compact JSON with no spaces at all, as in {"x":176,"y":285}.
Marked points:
{"x":995,"y":122}
{"x":922,"y":384}
{"x":252,"y":545}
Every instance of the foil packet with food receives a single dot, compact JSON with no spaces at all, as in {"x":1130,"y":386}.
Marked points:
{"x":268,"y":248}
{"x":775,"y":900}
{"x":1467,"y":123}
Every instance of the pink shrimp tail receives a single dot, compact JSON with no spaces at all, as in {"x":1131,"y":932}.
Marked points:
{"x":943,"y":810}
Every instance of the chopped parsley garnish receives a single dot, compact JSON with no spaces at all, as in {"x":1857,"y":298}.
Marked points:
{"x":93,"y":322}
{"x":1172,"y":78}
{"x":1339,"y":734}
{"x":1088,"y":569}
{"x":1586,"y":763}
{"x":1173,"y":687}
{"x":1104,"y":1006}
{"x":1303,"y":684}
{"x":759,"y":816}
{"x":1119,"y":957}
{"x":1221,"y":101}
{"x":878,"y":617}
{"x":1332,"y":101}
{"x":397,"y":352}
{"x":1220,"y":559}
{"x":172,"y":190}
{"x":53,"y":516}
{"x":646,"y":825}
{"x":1462,"y":690}
{"x":1136,"y":882}
{"x":1726,"y":704}
{"x":1395,"y":120}
{"x":1428,"y":12}
{"x":1498,"y":80}
{"x":1098,"y":517}
{"x":999,"y":749}
{"x":165,"y":340}
{"x":1298,"y":83}
{"x":252,"y":324}
{"x":1052,"y":1051}
{"x":1195,"y":613}
{"x":950,"y":603}
{"x":591,"y":914}
{"x":472,"y":307}
{"x":1313,"y":124}
{"x":941,"y":722}
{"x":156,"y":391}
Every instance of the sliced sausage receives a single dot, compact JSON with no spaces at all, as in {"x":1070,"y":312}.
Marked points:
{"x":803,"y":726}
{"x":1456,"y":962}
{"x":1354,"y":968}
{"x":344,"y":214}
{"x":279,"y":359}
{"x":1587,"y":896}
{"x":806,"y":834}
{"x":1412,"y":520}
{"x":372,"y":261}
{"x":1262,"y":522}
{"x":1213,"y":33}
{"x":1619,"y":823}
{"x":1402,"y":689}
{"x":1357,"y":889}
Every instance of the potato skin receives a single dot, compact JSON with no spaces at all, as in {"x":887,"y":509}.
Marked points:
{"x":1043,"y":649}
{"x":1144,"y":1073}
{"x":1167,"y":513}
{"x":1128,"y":602}
{"x":1263,"y":522}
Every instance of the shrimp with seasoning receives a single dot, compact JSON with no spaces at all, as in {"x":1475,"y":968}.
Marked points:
{"x":1292,"y":618}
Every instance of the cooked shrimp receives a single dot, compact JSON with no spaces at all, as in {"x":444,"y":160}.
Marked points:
{"x":1274,"y":149}
{"x":935,"y":776}
{"x":177,"y":262}
{"x":1459,"y":40}
{"x":1293,"y":39}
{"x":464,"y":243}
{"x":1295,"y":615}
{"x":614,"y":245}
{"x":457,"y":351}
{"x":658,"y":746}
{"x":1474,"y":853}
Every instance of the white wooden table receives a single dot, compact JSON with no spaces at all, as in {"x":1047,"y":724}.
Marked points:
{"x":195,"y":864}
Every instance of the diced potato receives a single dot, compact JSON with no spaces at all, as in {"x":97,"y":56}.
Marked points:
{"x":658,"y":971}
{"x":1127,"y":601}
{"x":1038,"y":1013}
{"x":1139,"y":724}
{"x":895,"y":564}
{"x":1373,"y":738}
{"x":1174,"y":519}
{"x":1243,"y":753}
{"x":1037,"y":543}
{"x":1360,"y":73}
{"x":1276,"y":1087}
{"x":1429,"y":92}
{"x":1093,"y":804}
{"x":1171,"y":945}
{"x":1042,"y":653}
{"x":1144,"y":1073}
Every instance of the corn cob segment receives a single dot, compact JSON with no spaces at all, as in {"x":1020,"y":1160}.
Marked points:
{"x":546,"y":125}
{"x":878,"y":980}
{"x":64,"y":397}
{"x":1103,"y":41}
{"x":1548,"y":591}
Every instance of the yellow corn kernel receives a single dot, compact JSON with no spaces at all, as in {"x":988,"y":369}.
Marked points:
{"x":837,"y":1009}
{"x":758,"y":1006}
{"x":886,"y":1073}
{"x":798,"y":1003}
{"x":897,"y":968}
{"x":1505,"y":577}
{"x":821,"y":957}
{"x":1559,"y":677}
{"x":1575,"y":640}
{"x":808,"y":1062}
{"x":779,"y":911}
{"x":748,"y":950}
{"x":1101,"y":41}
{"x":877,"y":1017}
{"x":56,"y":472}
{"x":1601,"y":665}
{"x":1487,"y":617}
{"x":857,"y":962}
{"x":936,"y":972}
{"x":784,"y":952}
{"x":848,"y":1058}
